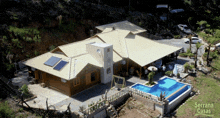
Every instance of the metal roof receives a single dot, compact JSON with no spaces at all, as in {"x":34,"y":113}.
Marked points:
{"x":125,"y":44}
{"x":75,"y":68}
{"x":139,"y":49}
{"x":122,"y":25}
{"x":78,"y":59}
{"x":144,"y":51}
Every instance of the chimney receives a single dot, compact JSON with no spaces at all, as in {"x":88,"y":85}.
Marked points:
{"x":91,"y":33}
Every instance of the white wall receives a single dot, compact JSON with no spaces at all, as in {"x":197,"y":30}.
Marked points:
{"x":160,"y":108}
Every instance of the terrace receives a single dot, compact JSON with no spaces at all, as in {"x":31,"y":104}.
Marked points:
{"x":86,"y":97}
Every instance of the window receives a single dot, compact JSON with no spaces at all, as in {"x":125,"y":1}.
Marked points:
{"x":108,"y":70}
{"x":92,"y":76}
{"x":76,"y":81}
{"x":108,"y":50}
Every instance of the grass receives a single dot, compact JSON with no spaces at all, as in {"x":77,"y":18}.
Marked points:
{"x":6,"y":111}
{"x":216,"y":64}
{"x":209,"y":94}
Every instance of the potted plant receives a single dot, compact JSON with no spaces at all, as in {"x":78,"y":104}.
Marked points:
{"x":169,"y":73}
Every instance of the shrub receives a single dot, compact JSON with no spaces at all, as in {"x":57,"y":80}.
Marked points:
{"x":201,"y":22}
{"x":216,"y":64}
{"x":188,"y":51}
{"x":150,"y":77}
{"x":29,"y":39}
{"x":9,"y":66}
{"x":25,"y":90}
{"x":52,"y":47}
{"x":191,"y":67}
{"x":67,"y":28}
{"x":183,"y":54}
{"x":214,"y":54}
{"x":190,"y":54}
{"x":6,"y":111}
{"x":35,"y":39}
{"x":4,"y":37}
{"x":186,"y":66}
{"x":205,"y":54}
{"x":15,"y":41}
{"x":176,"y":36}
{"x":217,"y":33}
{"x":36,"y":52}
{"x":20,"y":110}
{"x":168,"y":73}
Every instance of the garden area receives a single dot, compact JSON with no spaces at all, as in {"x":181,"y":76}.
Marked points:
{"x":208,"y":90}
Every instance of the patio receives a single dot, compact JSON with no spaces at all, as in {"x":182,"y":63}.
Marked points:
{"x":61,"y":101}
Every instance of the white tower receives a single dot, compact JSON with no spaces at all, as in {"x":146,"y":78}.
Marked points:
{"x":103,"y":53}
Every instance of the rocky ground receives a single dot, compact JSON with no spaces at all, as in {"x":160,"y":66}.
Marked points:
{"x":136,"y":109}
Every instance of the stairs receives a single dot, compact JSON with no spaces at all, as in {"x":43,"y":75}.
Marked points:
{"x":111,"y":112}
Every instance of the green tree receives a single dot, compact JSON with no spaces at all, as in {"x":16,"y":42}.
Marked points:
{"x":198,"y":45}
{"x":25,"y":90}
{"x":190,"y":42}
{"x":210,"y":40}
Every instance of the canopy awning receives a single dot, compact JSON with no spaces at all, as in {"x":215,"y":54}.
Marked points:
{"x":144,"y":51}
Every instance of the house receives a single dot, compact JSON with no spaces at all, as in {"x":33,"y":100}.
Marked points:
{"x":74,"y":67}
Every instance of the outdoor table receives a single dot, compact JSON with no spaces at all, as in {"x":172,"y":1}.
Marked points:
{"x":152,"y":68}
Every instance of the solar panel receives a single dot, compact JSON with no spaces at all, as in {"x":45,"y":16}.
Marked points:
{"x":52,"y":61}
{"x":60,"y":65}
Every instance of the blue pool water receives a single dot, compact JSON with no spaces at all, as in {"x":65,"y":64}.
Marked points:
{"x":168,"y":85}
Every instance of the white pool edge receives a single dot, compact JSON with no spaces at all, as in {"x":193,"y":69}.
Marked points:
{"x":179,"y":99}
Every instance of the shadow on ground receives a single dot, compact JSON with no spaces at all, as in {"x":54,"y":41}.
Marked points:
{"x":98,"y":90}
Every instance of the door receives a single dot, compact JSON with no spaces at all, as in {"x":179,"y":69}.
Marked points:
{"x":92,"y":77}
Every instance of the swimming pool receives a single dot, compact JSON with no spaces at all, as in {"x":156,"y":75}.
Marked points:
{"x":166,"y":85}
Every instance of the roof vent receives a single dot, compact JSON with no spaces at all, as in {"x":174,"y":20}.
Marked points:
{"x":113,"y":28}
